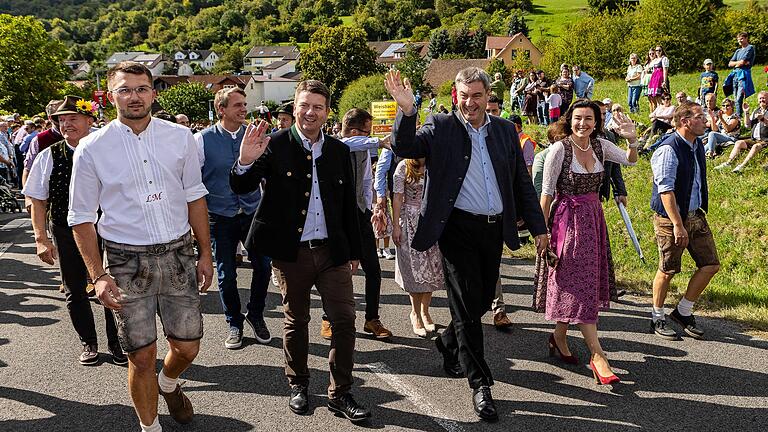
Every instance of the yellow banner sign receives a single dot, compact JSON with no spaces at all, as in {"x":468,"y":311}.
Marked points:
{"x":385,"y":110}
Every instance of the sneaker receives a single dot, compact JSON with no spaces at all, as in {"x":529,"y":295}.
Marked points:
{"x":118,"y":356}
{"x":260,"y":331}
{"x":179,"y":405}
{"x":325,"y":329}
{"x":723,"y":165}
{"x":234,"y":338}
{"x":90,"y":355}
{"x":660,"y":328}
{"x":688,"y":323}
{"x":377,"y":329}
{"x":388,"y":255}
{"x":739,"y":168}
{"x":380,"y":253}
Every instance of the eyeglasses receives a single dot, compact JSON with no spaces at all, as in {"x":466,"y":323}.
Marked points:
{"x":726,"y":105}
{"x":365,"y":132}
{"x":126,"y":91}
{"x":658,"y":50}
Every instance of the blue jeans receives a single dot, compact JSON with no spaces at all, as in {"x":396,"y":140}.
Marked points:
{"x":738,"y":94}
{"x":226,"y":233}
{"x":633,"y":97}
{"x":716,"y":138}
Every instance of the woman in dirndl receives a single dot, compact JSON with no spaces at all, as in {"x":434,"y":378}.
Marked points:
{"x":658,"y":85}
{"x":575,"y":278}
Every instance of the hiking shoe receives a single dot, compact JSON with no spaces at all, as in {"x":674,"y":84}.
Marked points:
{"x":259,"y":327}
{"x":90,"y":355}
{"x":118,"y":355}
{"x":380,"y":253}
{"x":234,"y":338}
{"x":739,"y":168}
{"x":660,"y":328}
{"x":179,"y":405}
{"x":688,"y":323}
{"x":388,"y":254}
{"x":377,"y":329}
{"x":325,"y":329}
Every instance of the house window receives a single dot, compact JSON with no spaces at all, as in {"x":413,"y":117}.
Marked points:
{"x":528,"y":54}
{"x":251,"y":86}
{"x":514,"y":54}
{"x":226,"y":86}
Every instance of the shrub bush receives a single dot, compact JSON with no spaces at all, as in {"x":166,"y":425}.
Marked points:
{"x":361,"y":92}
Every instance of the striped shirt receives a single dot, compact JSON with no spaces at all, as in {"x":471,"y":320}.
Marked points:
{"x":142,"y":183}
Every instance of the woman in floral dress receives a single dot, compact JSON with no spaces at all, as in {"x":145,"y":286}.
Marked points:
{"x":418,"y":273}
{"x":580,"y":279}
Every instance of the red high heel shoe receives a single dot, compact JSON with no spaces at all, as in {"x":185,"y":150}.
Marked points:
{"x":599,"y":379}
{"x":553,"y":349}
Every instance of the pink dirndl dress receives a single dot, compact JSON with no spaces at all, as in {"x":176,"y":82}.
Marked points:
{"x":583,"y":281}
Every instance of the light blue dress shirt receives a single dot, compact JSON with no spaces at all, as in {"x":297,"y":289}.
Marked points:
{"x":479,"y":192}
{"x":664,"y":166}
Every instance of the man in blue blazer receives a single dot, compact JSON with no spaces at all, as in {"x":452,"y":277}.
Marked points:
{"x":476,"y":187}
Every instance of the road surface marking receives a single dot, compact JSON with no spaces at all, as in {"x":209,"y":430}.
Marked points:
{"x":385,"y":373}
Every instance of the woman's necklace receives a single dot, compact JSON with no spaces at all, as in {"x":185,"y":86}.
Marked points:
{"x":589,"y":146}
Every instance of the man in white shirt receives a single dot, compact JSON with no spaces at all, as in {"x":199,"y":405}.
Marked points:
{"x":47,"y":189}
{"x":144,"y":174}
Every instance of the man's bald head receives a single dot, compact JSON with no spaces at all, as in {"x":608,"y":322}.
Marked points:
{"x":182,"y":120}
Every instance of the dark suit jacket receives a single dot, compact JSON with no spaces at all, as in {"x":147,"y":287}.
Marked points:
{"x":287,"y":167}
{"x":612,"y":177}
{"x":444,"y":142}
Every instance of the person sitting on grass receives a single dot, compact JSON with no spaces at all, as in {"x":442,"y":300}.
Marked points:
{"x":725,"y":130}
{"x":758,"y":139}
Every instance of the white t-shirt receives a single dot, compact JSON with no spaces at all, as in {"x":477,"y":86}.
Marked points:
{"x":554,"y":100}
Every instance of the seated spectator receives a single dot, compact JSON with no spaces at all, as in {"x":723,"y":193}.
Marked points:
{"x":727,"y":130}
{"x":758,"y":140}
{"x":662,"y":116}
{"x":711,"y":110}
{"x":682,"y":98}
{"x":612,"y":124}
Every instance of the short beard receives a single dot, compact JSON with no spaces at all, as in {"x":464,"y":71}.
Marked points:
{"x":126,"y":114}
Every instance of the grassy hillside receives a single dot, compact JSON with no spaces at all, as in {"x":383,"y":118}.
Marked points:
{"x":737,"y":216}
{"x":549,"y":17}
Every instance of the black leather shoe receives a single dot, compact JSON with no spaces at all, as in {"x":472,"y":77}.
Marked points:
{"x":451,"y":366}
{"x":346,"y":406}
{"x":299,"y":401}
{"x":483,"y":403}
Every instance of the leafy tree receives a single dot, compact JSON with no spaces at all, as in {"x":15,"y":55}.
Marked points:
{"x":600,"y":6}
{"x":478,"y":44}
{"x":361,"y":92}
{"x":413,"y":66}
{"x":461,"y":42}
{"x":439,"y":43}
{"x":420,"y":33}
{"x":518,"y":24}
{"x":230,"y":61}
{"x":337,"y":56}
{"x":32,"y":70}
{"x":186,"y":98}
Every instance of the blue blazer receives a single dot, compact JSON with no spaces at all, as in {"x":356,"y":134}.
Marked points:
{"x":444,"y":142}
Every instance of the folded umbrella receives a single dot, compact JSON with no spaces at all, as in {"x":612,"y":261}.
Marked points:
{"x":630,"y":230}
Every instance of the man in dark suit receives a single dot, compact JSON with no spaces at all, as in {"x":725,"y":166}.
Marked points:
{"x":476,"y":187}
{"x":307,"y":222}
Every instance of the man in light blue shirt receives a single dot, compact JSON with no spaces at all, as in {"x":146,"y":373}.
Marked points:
{"x":231,"y":216}
{"x":583,"y":84}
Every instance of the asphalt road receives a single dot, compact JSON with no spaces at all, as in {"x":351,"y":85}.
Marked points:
{"x":712,"y":385}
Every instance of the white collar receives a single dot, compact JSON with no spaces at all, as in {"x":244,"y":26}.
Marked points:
{"x":306,"y":141}
{"x":469,"y":125}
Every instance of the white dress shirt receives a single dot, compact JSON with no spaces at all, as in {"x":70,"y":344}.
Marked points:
{"x":141,"y":182}
{"x":39,"y":175}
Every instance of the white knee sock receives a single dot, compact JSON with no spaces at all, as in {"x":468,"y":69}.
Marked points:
{"x":154,"y":427}
{"x":166,"y":384}
{"x":685,"y":307}
{"x":657,"y":313}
